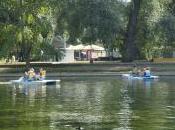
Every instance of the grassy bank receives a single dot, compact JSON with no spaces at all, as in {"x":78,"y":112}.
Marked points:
{"x":86,"y":67}
{"x":52,"y":68}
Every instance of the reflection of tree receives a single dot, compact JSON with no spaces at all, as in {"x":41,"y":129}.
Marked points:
{"x":94,"y":104}
{"x":125,"y":111}
{"x":25,"y":107}
{"x":148,"y":107}
{"x":84,"y":103}
{"x":85,"y":98}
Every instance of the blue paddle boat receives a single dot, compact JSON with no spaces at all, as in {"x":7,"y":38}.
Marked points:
{"x":133,"y":77}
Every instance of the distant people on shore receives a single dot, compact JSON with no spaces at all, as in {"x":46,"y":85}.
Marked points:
{"x":13,"y":59}
{"x":32,"y":75}
{"x":10,"y":59}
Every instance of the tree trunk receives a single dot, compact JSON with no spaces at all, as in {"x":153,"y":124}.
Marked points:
{"x":28,"y":63}
{"x":28,"y":48}
{"x":131,"y":51}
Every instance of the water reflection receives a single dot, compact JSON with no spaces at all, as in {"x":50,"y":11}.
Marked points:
{"x":125,"y":111}
{"x":150,"y":104}
{"x":91,"y":104}
{"x":144,"y":83}
{"x":32,"y":92}
{"x":82,"y":104}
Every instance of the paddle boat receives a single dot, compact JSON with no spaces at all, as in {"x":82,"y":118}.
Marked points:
{"x":133,"y":77}
{"x":31,"y":78}
{"x":24,"y":81}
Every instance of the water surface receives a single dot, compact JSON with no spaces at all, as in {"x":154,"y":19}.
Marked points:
{"x":90,"y":104}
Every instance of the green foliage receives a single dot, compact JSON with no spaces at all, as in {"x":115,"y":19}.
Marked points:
{"x":91,"y":21}
{"x":168,"y":27}
{"x":7,"y":40}
{"x":27,"y":23}
{"x":28,"y":27}
{"x":150,"y":34}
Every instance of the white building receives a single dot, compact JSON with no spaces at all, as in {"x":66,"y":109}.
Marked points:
{"x":82,"y":52}
{"x":68,"y":56}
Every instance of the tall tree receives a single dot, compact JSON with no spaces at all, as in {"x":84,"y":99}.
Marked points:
{"x":131,"y":51}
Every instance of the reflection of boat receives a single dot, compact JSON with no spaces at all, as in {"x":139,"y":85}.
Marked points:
{"x":140,"y":82}
{"x":129,"y":76}
{"x":26,"y":82}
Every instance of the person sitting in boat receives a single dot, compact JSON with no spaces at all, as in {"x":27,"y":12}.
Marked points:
{"x":37,"y":76}
{"x":135,"y":71}
{"x":26,"y":76}
{"x":147,"y":72}
{"x":42,"y":73}
{"x":31,"y":74}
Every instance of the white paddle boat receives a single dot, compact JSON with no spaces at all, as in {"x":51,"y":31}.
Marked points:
{"x":24,"y":81}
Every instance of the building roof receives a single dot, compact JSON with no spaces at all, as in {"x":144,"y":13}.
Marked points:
{"x":87,"y":47}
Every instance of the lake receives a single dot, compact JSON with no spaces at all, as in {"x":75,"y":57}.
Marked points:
{"x":108,"y":103}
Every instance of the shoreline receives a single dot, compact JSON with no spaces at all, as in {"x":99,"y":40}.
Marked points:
{"x":86,"y":69}
{"x":85,"y":74}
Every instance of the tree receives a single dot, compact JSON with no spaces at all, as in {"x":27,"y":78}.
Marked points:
{"x":131,"y":51}
{"x":91,"y":21}
{"x":149,"y":33}
{"x":29,"y":24}
{"x":167,"y":26}
{"x":145,"y":33}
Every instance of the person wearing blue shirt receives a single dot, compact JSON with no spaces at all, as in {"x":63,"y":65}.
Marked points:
{"x":147,"y":72}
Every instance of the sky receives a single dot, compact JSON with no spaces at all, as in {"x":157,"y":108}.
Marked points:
{"x":128,"y":0}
